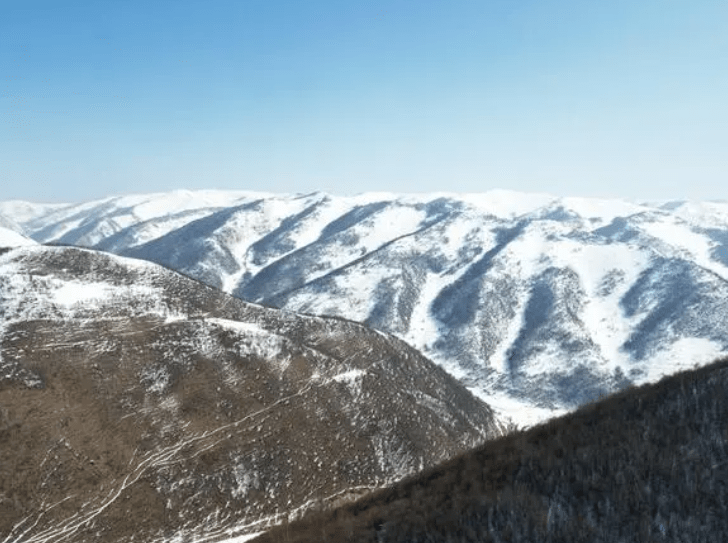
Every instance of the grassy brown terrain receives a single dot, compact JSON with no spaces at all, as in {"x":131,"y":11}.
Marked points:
{"x":647,"y":464}
{"x":159,"y":408}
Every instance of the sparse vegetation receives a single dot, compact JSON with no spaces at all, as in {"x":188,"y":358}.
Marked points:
{"x":645,"y":464}
{"x":120,"y":424}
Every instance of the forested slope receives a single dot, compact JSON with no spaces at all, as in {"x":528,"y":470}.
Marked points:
{"x":646,"y":464}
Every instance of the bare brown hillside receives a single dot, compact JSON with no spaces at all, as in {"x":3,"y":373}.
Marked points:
{"x":140,"y":405}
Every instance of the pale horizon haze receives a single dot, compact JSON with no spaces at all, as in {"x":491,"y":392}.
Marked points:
{"x":573,"y":98}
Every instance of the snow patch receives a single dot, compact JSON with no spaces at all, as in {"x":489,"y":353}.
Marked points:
{"x":510,"y":409}
{"x":245,"y":479}
{"x":71,"y":293}
{"x":352,"y":379}
{"x":10,"y":238}
{"x":349,"y":376}
{"x":603,"y":210}
{"x":683,"y":354}
{"x":257,"y":341}
{"x":241,"y":538}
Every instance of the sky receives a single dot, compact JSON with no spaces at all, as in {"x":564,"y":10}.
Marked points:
{"x":619,"y":98}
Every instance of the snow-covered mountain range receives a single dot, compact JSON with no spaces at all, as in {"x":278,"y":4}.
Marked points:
{"x":536,"y":303}
{"x":137,"y":404}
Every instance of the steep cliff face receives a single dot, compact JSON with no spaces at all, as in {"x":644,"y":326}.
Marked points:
{"x":138,"y":404}
{"x":536,"y":303}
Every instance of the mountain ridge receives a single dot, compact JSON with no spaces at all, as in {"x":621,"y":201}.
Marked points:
{"x":523,"y":297}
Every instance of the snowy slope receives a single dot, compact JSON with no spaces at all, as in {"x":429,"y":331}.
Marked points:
{"x":11,"y":238}
{"x":138,"y":404}
{"x":537,"y":303}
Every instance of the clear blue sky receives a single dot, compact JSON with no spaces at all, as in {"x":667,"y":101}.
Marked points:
{"x":595,"y":98}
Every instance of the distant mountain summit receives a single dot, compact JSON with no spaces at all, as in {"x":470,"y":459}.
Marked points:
{"x":536,"y":303}
{"x":137,"y":404}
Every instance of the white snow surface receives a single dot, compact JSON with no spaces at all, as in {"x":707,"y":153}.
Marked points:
{"x":10,"y":238}
{"x":242,"y":538}
{"x":602,"y":210}
{"x":703,"y":214}
{"x":73,"y":293}
{"x":22,"y":211}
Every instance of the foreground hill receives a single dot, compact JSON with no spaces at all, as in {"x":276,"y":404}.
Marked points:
{"x":647,"y":464}
{"x":140,"y":405}
{"x":538,"y":304}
